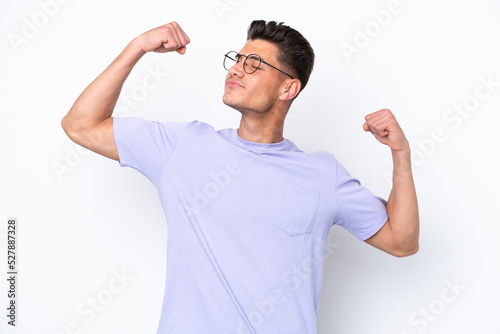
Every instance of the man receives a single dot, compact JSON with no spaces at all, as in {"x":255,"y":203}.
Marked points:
{"x":248,"y":213}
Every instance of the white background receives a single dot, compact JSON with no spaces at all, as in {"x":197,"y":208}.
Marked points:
{"x":87,"y":220}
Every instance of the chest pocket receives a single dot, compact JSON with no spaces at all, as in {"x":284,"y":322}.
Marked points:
{"x":297,"y":207}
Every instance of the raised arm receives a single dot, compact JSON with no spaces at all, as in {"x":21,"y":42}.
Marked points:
{"x":89,"y":122}
{"x":399,"y":236}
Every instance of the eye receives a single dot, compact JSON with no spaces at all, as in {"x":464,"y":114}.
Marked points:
{"x":253,"y":62}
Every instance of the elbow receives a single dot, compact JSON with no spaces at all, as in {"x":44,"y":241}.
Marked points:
{"x":64,"y":123}
{"x":66,"y":126}
{"x":72,"y":128}
{"x":73,"y":125}
{"x":406,"y":251}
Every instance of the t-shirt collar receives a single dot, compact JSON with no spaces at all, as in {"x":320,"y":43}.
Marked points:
{"x":284,"y":145}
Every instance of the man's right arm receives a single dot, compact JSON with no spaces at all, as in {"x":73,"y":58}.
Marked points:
{"x":89,"y":122}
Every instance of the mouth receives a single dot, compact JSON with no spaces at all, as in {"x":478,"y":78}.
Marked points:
{"x":233,"y":83}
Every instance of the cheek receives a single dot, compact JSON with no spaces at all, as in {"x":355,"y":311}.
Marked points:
{"x":267,"y":89}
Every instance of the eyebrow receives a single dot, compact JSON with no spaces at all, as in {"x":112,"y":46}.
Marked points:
{"x":262,"y":59}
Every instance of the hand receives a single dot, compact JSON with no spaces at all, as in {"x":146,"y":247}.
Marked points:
{"x":383,"y":125}
{"x":167,"y":38}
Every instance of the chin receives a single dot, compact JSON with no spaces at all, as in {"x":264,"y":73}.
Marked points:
{"x":233,"y":105}
{"x":229,"y":102}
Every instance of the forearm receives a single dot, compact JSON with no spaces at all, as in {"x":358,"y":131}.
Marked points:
{"x":402,"y":204}
{"x":97,"y":101}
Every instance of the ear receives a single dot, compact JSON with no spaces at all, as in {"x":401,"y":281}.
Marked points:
{"x":290,"y":89}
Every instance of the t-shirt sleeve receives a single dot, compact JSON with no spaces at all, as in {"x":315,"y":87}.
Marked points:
{"x":146,"y":145}
{"x":358,"y":210}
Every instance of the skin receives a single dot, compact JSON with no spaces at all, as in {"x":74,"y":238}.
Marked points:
{"x":263,"y":98}
{"x":399,"y":235}
{"x":89,"y":122}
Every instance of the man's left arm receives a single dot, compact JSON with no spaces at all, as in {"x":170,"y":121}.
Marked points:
{"x":399,"y":235}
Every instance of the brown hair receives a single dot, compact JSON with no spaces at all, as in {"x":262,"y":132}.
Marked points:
{"x":295,"y":52}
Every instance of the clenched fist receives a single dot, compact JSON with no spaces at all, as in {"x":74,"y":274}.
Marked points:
{"x":166,"y":38}
{"x":383,"y":125}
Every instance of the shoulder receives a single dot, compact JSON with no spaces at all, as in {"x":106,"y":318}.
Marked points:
{"x":178,"y":129}
{"x":198,"y":127}
{"x":323,"y":157}
{"x":138,"y":127}
{"x":320,"y":162}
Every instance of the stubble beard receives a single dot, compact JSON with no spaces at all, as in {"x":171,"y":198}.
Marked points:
{"x":247,"y":110}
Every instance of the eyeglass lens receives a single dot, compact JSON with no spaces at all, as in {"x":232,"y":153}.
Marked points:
{"x":250,"y":65}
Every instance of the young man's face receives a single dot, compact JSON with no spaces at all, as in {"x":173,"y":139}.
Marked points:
{"x":258,"y":91}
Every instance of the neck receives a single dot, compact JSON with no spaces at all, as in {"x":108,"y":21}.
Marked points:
{"x":264,"y":130}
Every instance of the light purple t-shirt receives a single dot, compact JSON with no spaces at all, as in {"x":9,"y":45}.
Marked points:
{"x":247,"y":224}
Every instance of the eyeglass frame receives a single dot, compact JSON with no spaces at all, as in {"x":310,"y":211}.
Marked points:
{"x":246,"y":57}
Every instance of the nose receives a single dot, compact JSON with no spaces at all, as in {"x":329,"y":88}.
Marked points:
{"x":237,"y":69}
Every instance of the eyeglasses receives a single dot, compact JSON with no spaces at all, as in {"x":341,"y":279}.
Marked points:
{"x":250,"y":65}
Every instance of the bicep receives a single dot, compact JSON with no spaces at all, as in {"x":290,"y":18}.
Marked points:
{"x":99,"y":139}
{"x":384,"y":240}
